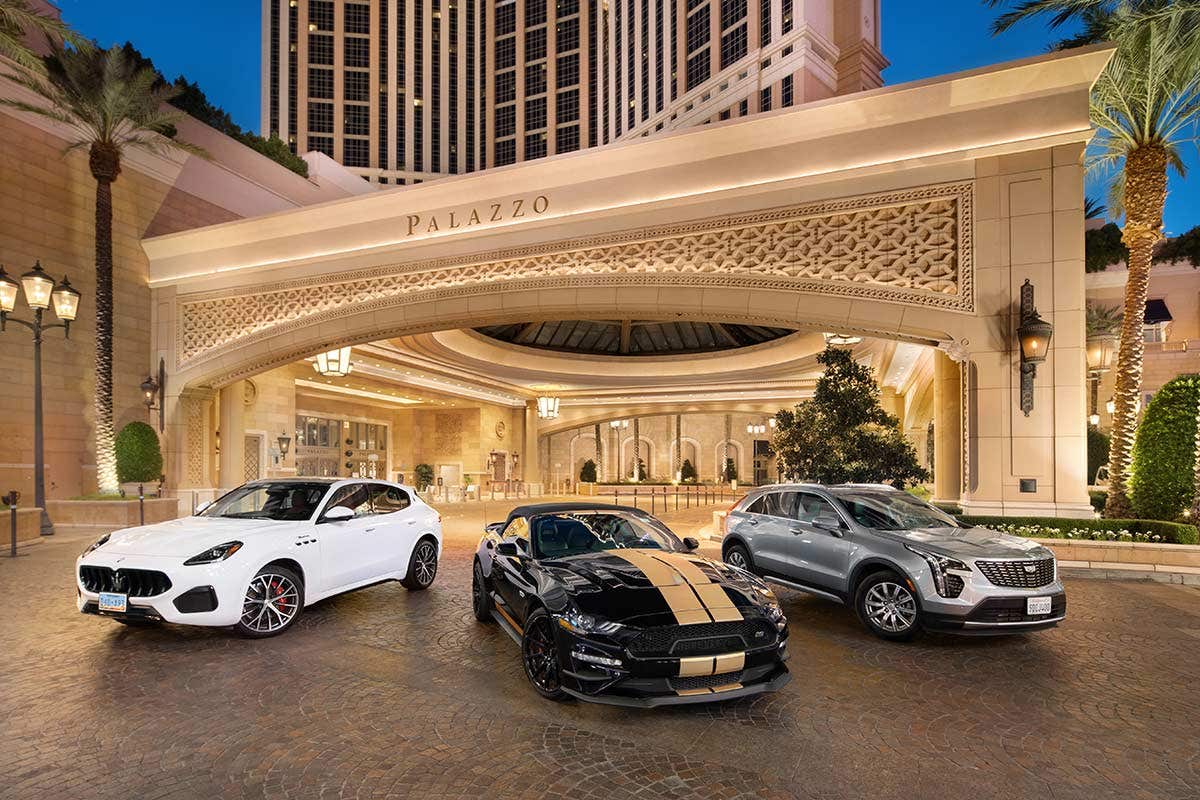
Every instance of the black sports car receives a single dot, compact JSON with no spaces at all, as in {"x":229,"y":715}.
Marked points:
{"x":608,"y":605}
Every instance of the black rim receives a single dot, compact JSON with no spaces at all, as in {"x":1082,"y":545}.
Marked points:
{"x":478,"y":593}
{"x":541,"y":662}
{"x":736,"y":558}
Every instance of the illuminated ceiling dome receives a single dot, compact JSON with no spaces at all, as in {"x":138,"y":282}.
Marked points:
{"x":633,"y":337}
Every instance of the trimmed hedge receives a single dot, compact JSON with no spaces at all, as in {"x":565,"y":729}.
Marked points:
{"x":1161,"y":483}
{"x":139,"y":457}
{"x":1136,"y":530}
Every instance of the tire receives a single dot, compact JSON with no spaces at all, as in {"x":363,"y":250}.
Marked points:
{"x":887,"y":607}
{"x":264,"y":615}
{"x":481,"y":599}
{"x":422,"y":566}
{"x":737,"y":555}
{"x":539,"y":655}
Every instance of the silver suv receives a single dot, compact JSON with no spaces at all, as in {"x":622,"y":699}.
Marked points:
{"x":903,"y":564}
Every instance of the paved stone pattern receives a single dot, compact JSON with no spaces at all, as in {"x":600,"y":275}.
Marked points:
{"x":390,"y":694}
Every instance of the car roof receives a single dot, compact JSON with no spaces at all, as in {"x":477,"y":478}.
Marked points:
{"x":536,"y":509}
{"x":830,"y":487}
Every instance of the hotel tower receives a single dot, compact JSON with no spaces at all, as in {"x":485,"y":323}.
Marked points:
{"x":404,"y":91}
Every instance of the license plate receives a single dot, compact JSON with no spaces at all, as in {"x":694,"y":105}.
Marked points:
{"x":1036,"y":606}
{"x":112,"y":602}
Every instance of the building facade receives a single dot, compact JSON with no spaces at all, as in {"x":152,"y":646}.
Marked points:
{"x":404,"y":91}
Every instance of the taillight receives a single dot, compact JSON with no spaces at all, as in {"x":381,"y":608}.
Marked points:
{"x":728,"y":511}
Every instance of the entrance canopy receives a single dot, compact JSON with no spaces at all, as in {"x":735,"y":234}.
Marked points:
{"x":853,"y":213}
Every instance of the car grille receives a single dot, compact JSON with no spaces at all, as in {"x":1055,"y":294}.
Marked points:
{"x":1017,"y":574}
{"x":133,"y":582}
{"x":693,"y":682}
{"x":706,"y":639}
{"x":1012,"y":609}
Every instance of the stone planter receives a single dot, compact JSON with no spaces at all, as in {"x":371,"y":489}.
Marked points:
{"x":29,"y":522}
{"x":104,"y":516}
{"x":1126,"y":555}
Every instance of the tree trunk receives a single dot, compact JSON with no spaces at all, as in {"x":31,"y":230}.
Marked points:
{"x":1145,"y":194}
{"x":105,"y":166}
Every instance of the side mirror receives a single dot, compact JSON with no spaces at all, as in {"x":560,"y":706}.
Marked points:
{"x":691,"y":543}
{"x":200,"y":508}
{"x":828,"y":522}
{"x":508,"y":549}
{"x":494,"y":528}
{"x":338,"y":514}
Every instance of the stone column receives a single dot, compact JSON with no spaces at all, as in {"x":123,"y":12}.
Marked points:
{"x":531,"y":460}
{"x":233,"y":435}
{"x":678,"y":463}
{"x":637,"y":451}
{"x":725,"y":448}
{"x":947,"y":426}
{"x":599,"y":455}
{"x":1028,"y":226}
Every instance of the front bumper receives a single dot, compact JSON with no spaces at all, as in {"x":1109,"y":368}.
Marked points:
{"x":205,"y":594}
{"x":651,"y":682}
{"x":999,"y":616}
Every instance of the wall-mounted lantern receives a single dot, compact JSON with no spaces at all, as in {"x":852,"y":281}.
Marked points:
{"x":152,"y":392}
{"x":1034,"y":336}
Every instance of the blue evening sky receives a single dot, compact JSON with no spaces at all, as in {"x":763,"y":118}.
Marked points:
{"x":216,"y":44}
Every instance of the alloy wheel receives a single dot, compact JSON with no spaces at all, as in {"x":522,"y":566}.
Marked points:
{"x":425,"y":563}
{"x":478,"y":592}
{"x":271,"y":603}
{"x":734,"y":558}
{"x":891,"y":607}
{"x":541,"y":661}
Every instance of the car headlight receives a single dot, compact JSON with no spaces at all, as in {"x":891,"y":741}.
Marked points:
{"x":578,"y":622}
{"x":214,"y":554}
{"x":947,"y":572}
{"x":775,"y":614}
{"x":98,"y":543}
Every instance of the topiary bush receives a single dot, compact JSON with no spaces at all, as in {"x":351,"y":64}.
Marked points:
{"x":139,"y":457}
{"x":1161,"y":482}
{"x":587,"y":474}
{"x":687,"y":472}
{"x":1134,"y":530}
{"x":424,"y":476}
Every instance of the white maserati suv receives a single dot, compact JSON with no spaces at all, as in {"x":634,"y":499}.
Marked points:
{"x":255,"y":557}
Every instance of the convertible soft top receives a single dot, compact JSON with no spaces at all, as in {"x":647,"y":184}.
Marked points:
{"x":534,"y":509}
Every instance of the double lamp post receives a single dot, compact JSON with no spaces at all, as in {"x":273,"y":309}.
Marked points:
{"x":40,"y":292}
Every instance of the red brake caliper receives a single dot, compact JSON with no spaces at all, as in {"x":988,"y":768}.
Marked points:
{"x":280,"y":603}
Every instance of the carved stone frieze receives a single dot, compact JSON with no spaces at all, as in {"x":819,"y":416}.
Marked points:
{"x":912,"y":247}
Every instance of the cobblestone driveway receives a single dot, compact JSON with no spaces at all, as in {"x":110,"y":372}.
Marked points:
{"x":386,"y":693}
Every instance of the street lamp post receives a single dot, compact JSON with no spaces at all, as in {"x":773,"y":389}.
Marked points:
{"x":40,"y":292}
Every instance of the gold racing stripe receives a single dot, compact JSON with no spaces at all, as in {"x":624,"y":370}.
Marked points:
{"x":520,"y":631}
{"x":684,"y":603}
{"x":692,"y":667}
{"x":729,"y":687}
{"x":730,"y":662}
{"x":692,"y":692}
{"x":712,"y":595}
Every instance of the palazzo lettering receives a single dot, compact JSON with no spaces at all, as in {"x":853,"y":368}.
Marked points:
{"x":518,"y":208}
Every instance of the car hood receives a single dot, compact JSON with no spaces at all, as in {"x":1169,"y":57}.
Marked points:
{"x":970,"y":542}
{"x":650,"y":587}
{"x":185,"y":537}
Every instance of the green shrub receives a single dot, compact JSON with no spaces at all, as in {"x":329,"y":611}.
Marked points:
{"x":1103,"y":246}
{"x":1130,"y":530}
{"x":139,"y":457}
{"x":1098,"y":499}
{"x":1161,"y":483}
{"x":730,"y":473}
{"x":1097,"y":451}
{"x":687,"y":471}
{"x":424,"y":476}
{"x":588,"y":473}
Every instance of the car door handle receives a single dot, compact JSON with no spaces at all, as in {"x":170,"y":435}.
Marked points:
{"x":412,"y":522}
{"x":369,"y":530}
{"x":797,"y":530}
{"x":752,"y":521}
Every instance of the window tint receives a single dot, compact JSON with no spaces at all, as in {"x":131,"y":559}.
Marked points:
{"x":759,"y":506}
{"x":354,"y":496}
{"x":388,"y":499}
{"x":812,"y":506}
{"x":781,"y":504}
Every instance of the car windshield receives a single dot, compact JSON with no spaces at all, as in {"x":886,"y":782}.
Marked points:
{"x":277,"y":501}
{"x":894,"y":511}
{"x":572,"y":533}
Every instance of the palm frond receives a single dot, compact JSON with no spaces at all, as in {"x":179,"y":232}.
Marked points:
{"x":106,"y":98}
{"x":1093,"y":209}
{"x":17,"y":21}
{"x":1060,"y":12}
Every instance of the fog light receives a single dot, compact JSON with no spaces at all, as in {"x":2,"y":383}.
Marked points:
{"x":603,"y":661}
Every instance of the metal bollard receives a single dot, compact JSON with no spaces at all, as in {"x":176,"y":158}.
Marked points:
{"x":141,"y":504}
{"x":11,"y":498}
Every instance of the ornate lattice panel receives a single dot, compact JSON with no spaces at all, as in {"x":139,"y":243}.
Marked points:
{"x":253,"y":465}
{"x":193,"y":413}
{"x":912,"y":247}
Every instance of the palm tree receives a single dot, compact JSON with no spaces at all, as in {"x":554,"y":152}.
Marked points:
{"x":111,"y":105}
{"x":1144,"y":106}
{"x":1094,"y":209}
{"x":17,"y":22}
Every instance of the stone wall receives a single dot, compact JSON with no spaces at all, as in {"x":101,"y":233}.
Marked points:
{"x":47,"y":212}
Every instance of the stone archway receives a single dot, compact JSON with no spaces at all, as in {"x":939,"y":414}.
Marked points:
{"x":920,"y":226}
